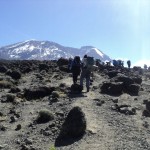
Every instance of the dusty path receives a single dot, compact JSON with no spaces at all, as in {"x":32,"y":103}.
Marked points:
{"x":97,"y":127}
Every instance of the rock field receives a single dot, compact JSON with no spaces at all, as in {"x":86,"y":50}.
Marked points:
{"x":38,"y":109}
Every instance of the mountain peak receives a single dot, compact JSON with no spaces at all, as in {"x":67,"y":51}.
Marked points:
{"x":47,"y":50}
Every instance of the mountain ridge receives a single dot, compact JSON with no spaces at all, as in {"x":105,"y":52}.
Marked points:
{"x":48,"y":50}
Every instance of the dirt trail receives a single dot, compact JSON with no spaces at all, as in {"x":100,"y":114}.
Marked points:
{"x":102,"y":134}
{"x":95,"y":125}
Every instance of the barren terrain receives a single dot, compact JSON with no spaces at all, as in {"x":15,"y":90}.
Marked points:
{"x":115,"y":119}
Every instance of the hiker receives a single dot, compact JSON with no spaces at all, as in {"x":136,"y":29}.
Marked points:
{"x":75,"y":68}
{"x":87,"y":66}
{"x":122,"y":63}
{"x":115,"y":63}
{"x":129,"y":64}
{"x":119,"y":63}
{"x":98,"y":62}
{"x":108,"y":63}
{"x":145,"y":66}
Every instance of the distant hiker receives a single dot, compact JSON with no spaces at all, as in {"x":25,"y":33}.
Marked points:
{"x":98,"y":62}
{"x":145,"y":66}
{"x":103,"y":63}
{"x":115,"y":63}
{"x":108,"y":63}
{"x":87,"y":68}
{"x":129,"y":64}
{"x":76,"y":68}
{"x":122,"y":63}
{"x":119,"y":63}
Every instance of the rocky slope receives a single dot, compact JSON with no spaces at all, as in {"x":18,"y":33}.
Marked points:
{"x":38,"y":109}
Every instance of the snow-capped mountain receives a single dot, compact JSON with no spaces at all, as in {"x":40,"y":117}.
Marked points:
{"x":46,"y":50}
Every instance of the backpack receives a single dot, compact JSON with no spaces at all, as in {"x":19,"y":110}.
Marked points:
{"x":90,"y":63}
{"x":115,"y":63}
{"x":76,"y":64}
{"x":69,"y":63}
{"x":76,"y":61}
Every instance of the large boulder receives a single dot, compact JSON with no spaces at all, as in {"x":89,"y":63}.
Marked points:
{"x":43,"y":66}
{"x":112,"y":88}
{"x":133,"y":89}
{"x":64,"y":68}
{"x":125,"y":79}
{"x":148,"y":105}
{"x":105,"y":86}
{"x":76,"y":88}
{"x":26,"y":70}
{"x":38,"y":92}
{"x":75,"y":123}
{"x":146,"y":112}
{"x":62,"y":61}
{"x":137,"y":80}
{"x":15,"y":74}
{"x":112,"y":74}
{"x":116,"y":88}
{"x":3,"y":69}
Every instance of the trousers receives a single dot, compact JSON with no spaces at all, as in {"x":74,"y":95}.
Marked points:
{"x":85,"y":74}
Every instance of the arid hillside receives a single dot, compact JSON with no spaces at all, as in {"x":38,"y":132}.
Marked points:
{"x":41,"y":109}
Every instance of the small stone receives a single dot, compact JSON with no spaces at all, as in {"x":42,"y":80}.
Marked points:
{"x":145,"y":124}
{"x":18,"y":141}
{"x":12,"y":119}
{"x":52,"y":125}
{"x":1,"y":114}
{"x":28,"y":141}
{"x":146,"y":113}
{"x":114,"y":107}
{"x":46,"y":133}
{"x":24,"y":147}
{"x":1,"y":147}
{"x":61,"y":113}
{"x":115,"y":100}
{"x":17,"y":115}
{"x":2,"y":128}
{"x":18,"y":127}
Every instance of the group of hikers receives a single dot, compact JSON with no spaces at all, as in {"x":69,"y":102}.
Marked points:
{"x":85,"y":68}
{"x":81,"y":68}
{"x":120,"y":63}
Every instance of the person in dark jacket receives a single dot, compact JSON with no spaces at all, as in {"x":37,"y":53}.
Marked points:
{"x":76,"y":68}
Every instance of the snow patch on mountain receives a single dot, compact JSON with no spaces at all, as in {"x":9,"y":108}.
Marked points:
{"x":98,"y":52}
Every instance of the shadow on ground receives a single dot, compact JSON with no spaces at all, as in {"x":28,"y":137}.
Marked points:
{"x":64,"y":141}
{"x":74,"y":95}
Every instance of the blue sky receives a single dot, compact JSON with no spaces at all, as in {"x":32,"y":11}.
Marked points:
{"x":120,"y":28}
